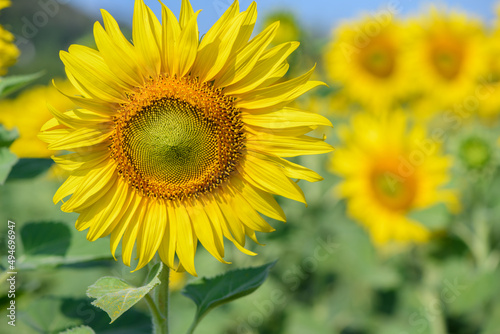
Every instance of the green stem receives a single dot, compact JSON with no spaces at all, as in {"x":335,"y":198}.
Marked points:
{"x":193,"y":326}
{"x":159,"y":323}
{"x":158,"y":304}
{"x":162,"y":294}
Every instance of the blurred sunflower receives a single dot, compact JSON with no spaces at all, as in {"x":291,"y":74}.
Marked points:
{"x":476,"y":151}
{"x":389,"y":171}
{"x":449,"y":52}
{"x":8,"y":51}
{"x":28,"y":112}
{"x":368,"y":62}
{"x":181,"y":139}
{"x":489,"y":81}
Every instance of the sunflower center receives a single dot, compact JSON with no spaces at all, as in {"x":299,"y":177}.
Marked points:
{"x":379,"y":59}
{"x":177,"y":138}
{"x":390,"y":189}
{"x":475,"y":152}
{"x":447,"y":58}
{"x":170,"y":142}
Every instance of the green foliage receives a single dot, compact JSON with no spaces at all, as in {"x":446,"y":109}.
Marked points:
{"x":52,"y":244}
{"x":11,"y":84}
{"x":115,"y":296}
{"x":208,"y":293}
{"x":29,"y":168}
{"x":7,"y":158}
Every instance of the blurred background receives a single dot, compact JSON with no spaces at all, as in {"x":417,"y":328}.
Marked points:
{"x":402,"y":236}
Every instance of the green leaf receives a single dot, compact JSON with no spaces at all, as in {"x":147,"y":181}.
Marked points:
{"x":7,"y":137}
{"x":7,"y":158}
{"x":46,"y":238}
{"x":52,"y":244}
{"x":7,"y":161}
{"x":209,"y":293}
{"x":29,"y":168}
{"x":79,"y":330}
{"x":115,"y":296}
{"x":9,"y":85}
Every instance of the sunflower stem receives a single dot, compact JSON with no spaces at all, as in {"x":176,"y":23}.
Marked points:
{"x":158,"y":321}
{"x":158,"y":304}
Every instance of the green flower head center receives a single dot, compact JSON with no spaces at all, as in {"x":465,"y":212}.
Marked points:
{"x":170,"y":142}
{"x":176,"y":138}
{"x":475,"y":153}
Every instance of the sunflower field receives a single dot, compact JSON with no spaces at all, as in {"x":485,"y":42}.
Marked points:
{"x":240,"y":170}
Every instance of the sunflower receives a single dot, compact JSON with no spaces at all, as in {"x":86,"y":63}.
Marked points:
{"x":476,"y":152}
{"x":28,"y":112}
{"x":449,"y":51}
{"x":366,"y":58}
{"x":8,"y":51}
{"x":390,"y":171}
{"x":489,"y":82}
{"x":178,"y":140}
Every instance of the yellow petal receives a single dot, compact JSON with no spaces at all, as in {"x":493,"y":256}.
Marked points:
{"x":204,"y":229}
{"x":258,"y":199}
{"x":114,"y":203}
{"x":76,"y":161}
{"x":129,"y":216}
{"x":270,"y":178}
{"x":88,"y":67}
{"x":186,"y":14}
{"x":212,"y":57}
{"x":186,"y":245}
{"x":80,"y":138}
{"x":290,"y":169}
{"x":247,"y":27}
{"x":214,"y":211}
{"x":288,"y":146}
{"x":151,"y":231}
{"x":278,"y":94}
{"x":248,"y":215}
{"x":122,"y":62}
{"x":170,"y":36}
{"x":268,"y":64}
{"x":145,"y":39}
{"x":244,"y":60}
{"x":188,"y":46}
{"x":93,"y":186}
{"x":169,"y":242}
{"x":71,"y":120}
{"x":233,"y":226}
{"x":285,"y":118}
{"x":130,"y":235}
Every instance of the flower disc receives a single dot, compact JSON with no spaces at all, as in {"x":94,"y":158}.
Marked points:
{"x":170,"y":148}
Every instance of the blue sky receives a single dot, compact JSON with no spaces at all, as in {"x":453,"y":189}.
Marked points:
{"x":317,"y":14}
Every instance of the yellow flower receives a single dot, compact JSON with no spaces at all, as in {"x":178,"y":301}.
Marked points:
{"x":180,"y":140}
{"x":449,"y":52}
{"x":365,"y":58}
{"x":388,"y":172}
{"x":28,"y":112}
{"x":8,"y":51}
{"x":488,"y":85}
